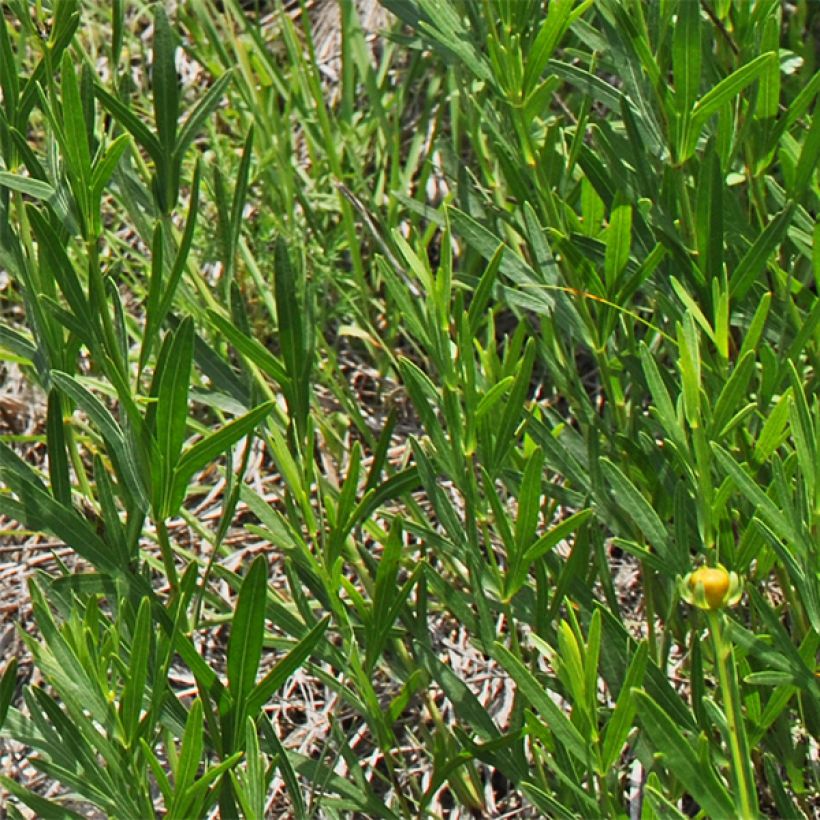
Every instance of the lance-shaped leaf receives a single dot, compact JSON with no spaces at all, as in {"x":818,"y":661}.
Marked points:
{"x":209,"y":448}
{"x":106,"y":425}
{"x":277,"y":676}
{"x":680,"y":758}
{"x":164,"y":82}
{"x":245,"y":642}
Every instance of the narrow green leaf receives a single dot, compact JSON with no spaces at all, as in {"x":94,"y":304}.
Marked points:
{"x":42,"y":512}
{"x":486,"y":243}
{"x":773,"y":645}
{"x":773,"y":432}
{"x":651,"y":559}
{"x":43,"y":808}
{"x":554,"y":25}
{"x":768,"y":95}
{"x":660,"y":804}
{"x":535,"y":694}
{"x":164,"y":82}
{"x":12,"y":462}
{"x":686,"y":55}
{"x":754,"y":331}
{"x":198,"y":455}
{"x":803,"y":431}
{"x":277,"y":751}
{"x":547,"y":803}
{"x":766,"y":508}
{"x":557,"y":534}
{"x":387,"y":572}
{"x":394,"y":487}
{"x":621,"y":720}
{"x":203,"y":109}
{"x":190,"y":753}
{"x":571,"y":667}
{"x":256,"y":353}
{"x":387,"y":610}
{"x":8,"y":684}
{"x":591,"y":656}
{"x":680,"y":759}
{"x":55,"y":261}
{"x":785,"y":805}
{"x":345,"y":506}
{"x":357,"y":798}
{"x":709,"y":216}
{"x":807,"y":331}
{"x":513,"y":411}
{"x":465,"y":703}
{"x":160,"y":775}
{"x":589,"y":83}
{"x":277,"y":676}
{"x":806,"y":170}
{"x":200,"y":796}
{"x":240,"y":194}
{"x":447,"y":30}
{"x":754,"y":261}
{"x":26,"y":185}
{"x":529,"y":500}
{"x":769,"y":678}
{"x":290,"y":471}
{"x":105,"y":167}
{"x":251,"y":788}
{"x":476,"y":313}
{"x":156,"y":317}
{"x":172,"y":398}
{"x":247,"y":632}
{"x":152,"y":319}
{"x":660,"y":396}
{"x":634,"y":504}
{"x":618,"y":242}
{"x":133,"y":690}
{"x":84,"y":700}
{"x":732,"y":395}
{"x":126,"y":465}
{"x":724,"y":92}
{"x":424,"y":395}
{"x":616,"y":647}
{"x":804,"y":583}
{"x":293,"y":334}
{"x":721,"y":318}
{"x":9,"y":81}
{"x":492,"y":397}
{"x":693,"y":307}
{"x":58,"y":472}
{"x":389,"y":598}
{"x":126,"y":117}
{"x":16,"y":343}
{"x":73,"y":122}
{"x":690,"y":365}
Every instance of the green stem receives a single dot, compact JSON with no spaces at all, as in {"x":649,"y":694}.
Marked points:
{"x":98,"y":303}
{"x":649,"y":607}
{"x":603,"y":796}
{"x":687,"y":215}
{"x":77,"y":461}
{"x":746,"y":795}
{"x":167,"y":554}
{"x":612,"y":389}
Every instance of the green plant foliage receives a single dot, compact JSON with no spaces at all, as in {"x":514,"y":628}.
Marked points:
{"x":459,"y":353}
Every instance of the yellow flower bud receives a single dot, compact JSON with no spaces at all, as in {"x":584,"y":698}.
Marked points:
{"x":711,"y":588}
